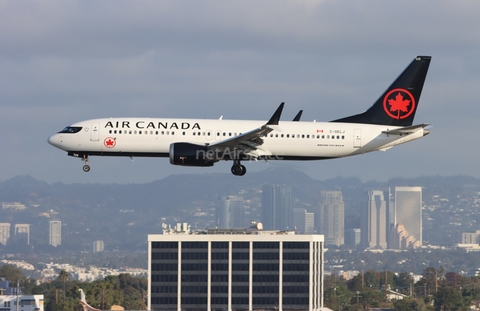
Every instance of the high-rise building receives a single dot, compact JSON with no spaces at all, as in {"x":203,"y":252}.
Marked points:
{"x":303,"y":221}
{"x":249,"y":271}
{"x":353,"y":236}
{"x":230,"y":212}
{"x":98,"y":246}
{"x":4,"y":232}
{"x":469,"y":237}
{"x":331,"y":217}
{"x":55,"y":236}
{"x":408,"y":212}
{"x":277,"y":211}
{"x":374,"y":224}
{"x":22,"y":234}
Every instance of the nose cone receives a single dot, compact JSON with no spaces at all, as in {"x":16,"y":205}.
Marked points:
{"x":54,"y":140}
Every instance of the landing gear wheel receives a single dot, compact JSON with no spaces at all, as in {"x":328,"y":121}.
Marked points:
{"x":244,"y":170}
{"x":86,"y":168}
{"x":238,"y":170}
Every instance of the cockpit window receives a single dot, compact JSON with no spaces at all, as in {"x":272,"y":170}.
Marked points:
{"x":71,"y":129}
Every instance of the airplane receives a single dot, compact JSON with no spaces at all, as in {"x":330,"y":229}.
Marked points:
{"x":201,"y":142}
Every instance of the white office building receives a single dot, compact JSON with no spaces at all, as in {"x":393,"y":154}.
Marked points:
{"x":233,"y":270}
{"x":4,"y":232}
{"x":55,"y":236}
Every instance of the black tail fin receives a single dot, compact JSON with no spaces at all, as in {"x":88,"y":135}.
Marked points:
{"x":397,"y":106}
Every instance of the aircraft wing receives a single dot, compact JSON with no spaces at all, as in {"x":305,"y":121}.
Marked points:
{"x":250,"y":142}
{"x":406,"y":129}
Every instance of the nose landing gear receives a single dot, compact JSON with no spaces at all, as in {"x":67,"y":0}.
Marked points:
{"x":238,"y":169}
{"x":86,"y":167}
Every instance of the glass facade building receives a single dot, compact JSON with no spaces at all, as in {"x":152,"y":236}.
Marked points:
{"x":267,"y":270}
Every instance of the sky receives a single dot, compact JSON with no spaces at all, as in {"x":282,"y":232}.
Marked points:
{"x":66,"y":61}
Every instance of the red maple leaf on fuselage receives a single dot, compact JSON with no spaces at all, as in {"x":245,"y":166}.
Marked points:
{"x":399,"y":104}
{"x":109,"y":142}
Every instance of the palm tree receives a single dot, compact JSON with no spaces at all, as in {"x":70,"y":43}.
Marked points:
{"x":64,"y":276}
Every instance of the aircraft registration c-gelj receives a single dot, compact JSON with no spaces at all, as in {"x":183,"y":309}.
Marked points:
{"x":200,"y":142}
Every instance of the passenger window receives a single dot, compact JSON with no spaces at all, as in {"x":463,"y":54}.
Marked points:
{"x":173,"y":133}
{"x":110,"y":132}
{"x":303,"y":136}
{"x":308,"y":136}
{"x":276,"y":135}
{"x":281,"y":135}
{"x":193,"y":133}
{"x":288,"y":135}
{"x":343,"y":137}
{"x":129,"y":132}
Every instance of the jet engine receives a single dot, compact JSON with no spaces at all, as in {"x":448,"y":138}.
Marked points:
{"x":186,"y":154}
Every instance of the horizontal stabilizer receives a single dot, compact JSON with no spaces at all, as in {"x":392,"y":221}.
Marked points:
{"x":406,"y":129}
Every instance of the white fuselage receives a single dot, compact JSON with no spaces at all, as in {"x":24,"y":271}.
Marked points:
{"x":290,"y":140}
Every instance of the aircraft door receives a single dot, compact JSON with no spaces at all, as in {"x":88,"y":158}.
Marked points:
{"x":94,"y":134}
{"x":357,"y":138}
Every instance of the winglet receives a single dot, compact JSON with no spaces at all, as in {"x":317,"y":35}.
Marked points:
{"x":276,"y":116}
{"x":298,"y":116}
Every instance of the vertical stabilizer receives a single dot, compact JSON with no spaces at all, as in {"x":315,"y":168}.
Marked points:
{"x":398,"y":104}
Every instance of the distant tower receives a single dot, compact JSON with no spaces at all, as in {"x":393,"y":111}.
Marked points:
{"x":4,"y":232}
{"x":303,"y":221}
{"x":22,"y":234}
{"x":55,"y":237}
{"x":277,"y":211}
{"x":374,"y":228}
{"x":230,"y":212}
{"x":331,"y":217}
{"x":98,"y":246}
{"x":408,"y":212}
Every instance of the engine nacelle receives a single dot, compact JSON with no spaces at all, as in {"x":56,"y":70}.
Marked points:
{"x":186,"y":154}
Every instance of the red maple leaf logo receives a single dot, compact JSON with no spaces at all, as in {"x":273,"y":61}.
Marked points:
{"x":109,"y":142}
{"x":399,"y":104}
{"x":400,"y":101}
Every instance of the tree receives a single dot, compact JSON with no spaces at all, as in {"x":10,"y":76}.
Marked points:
{"x":409,"y":304}
{"x":429,"y":282}
{"x":63,"y":276}
{"x":11,"y":273}
{"x":448,"y":299}
{"x":403,"y":283}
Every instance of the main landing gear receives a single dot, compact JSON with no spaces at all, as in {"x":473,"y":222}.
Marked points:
{"x":238,"y":169}
{"x":86,"y":167}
